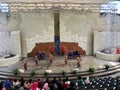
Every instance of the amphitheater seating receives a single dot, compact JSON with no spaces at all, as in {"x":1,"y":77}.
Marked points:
{"x":105,"y":83}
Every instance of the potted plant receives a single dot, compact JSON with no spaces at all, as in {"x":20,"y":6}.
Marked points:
{"x":91,"y":70}
{"x":107,"y":66}
{"x":119,"y":59}
{"x":74,"y":72}
{"x":46,"y":73}
{"x":16,"y":71}
{"x":63,"y":72}
{"x":32,"y":73}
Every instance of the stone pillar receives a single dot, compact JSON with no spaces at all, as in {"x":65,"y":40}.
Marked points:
{"x":57,"y":32}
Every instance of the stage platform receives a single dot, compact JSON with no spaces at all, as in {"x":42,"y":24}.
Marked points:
{"x":58,"y":65}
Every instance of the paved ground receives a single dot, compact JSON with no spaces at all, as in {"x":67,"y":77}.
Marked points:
{"x":58,"y":64}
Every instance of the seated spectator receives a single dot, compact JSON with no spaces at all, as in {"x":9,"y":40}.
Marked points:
{"x":7,"y":85}
{"x":71,"y":86}
{"x":47,"y":80}
{"x":16,"y":84}
{"x":46,"y":87}
{"x":40,"y":83}
{"x":80,"y":81}
{"x":64,"y":85}
{"x":22,"y":87}
{"x":67,"y":81}
{"x":22,"y":80}
{"x":51,"y":85}
{"x":54,"y":80}
{"x":2,"y":86}
{"x":34,"y":86}
{"x":87,"y":81}
{"x":59,"y":85}
{"x":28,"y":84}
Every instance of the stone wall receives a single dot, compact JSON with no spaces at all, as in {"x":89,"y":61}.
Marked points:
{"x":15,"y":43}
{"x":79,"y":27}
{"x":36,"y":27}
{"x":100,"y":41}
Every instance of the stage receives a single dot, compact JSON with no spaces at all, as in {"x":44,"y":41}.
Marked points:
{"x":58,"y":65}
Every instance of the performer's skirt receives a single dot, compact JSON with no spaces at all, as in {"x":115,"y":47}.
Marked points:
{"x":78,"y":64}
{"x":25,"y":67}
{"x":50,"y":60}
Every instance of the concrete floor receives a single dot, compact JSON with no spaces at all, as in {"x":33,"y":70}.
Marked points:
{"x":58,"y":64}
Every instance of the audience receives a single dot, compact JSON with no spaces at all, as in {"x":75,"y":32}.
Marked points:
{"x":2,"y":86}
{"x":8,"y":85}
{"x":105,"y":83}
{"x":64,"y":85}
{"x":34,"y":86}
{"x":40,"y":83}
{"x":28,"y":84}
{"x":87,"y":81}
{"x":79,"y":81}
{"x":46,"y":87}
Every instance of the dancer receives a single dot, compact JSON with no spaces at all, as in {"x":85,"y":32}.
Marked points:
{"x":36,"y":60}
{"x":78,"y":61}
{"x":25,"y":64}
{"x":51,"y":58}
{"x":66,"y":60}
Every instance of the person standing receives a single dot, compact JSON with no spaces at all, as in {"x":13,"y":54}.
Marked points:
{"x":78,"y":62}
{"x":51,"y":58}
{"x":25,"y":64}
{"x":66,"y":60}
{"x":36,"y":60}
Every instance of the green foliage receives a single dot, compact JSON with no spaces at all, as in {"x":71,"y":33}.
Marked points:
{"x":107,"y":66}
{"x":16,"y":71}
{"x":119,"y":59}
{"x":32,"y":73}
{"x":46,"y":73}
{"x":74,"y":72}
{"x":91,"y":70}
{"x":63,"y":72}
